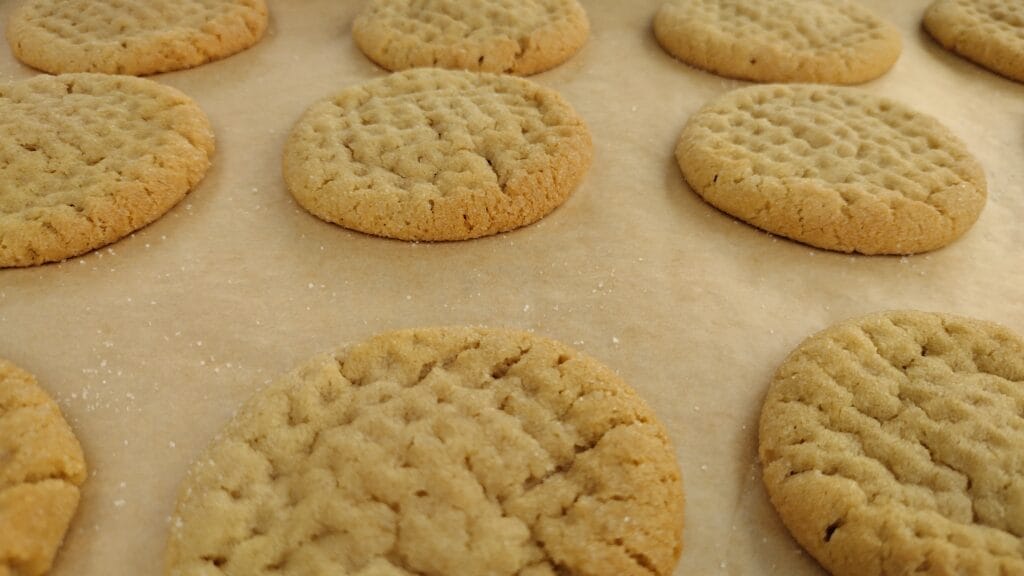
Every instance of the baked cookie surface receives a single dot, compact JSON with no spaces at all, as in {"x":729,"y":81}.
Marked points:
{"x":86,"y":159}
{"x":836,"y":168}
{"x":825,"y":41}
{"x":891,"y":444}
{"x":451,"y":451}
{"x":41,"y":470}
{"x":432,"y":154}
{"x":135,"y":37}
{"x":986,"y":32}
{"x":508,"y":36}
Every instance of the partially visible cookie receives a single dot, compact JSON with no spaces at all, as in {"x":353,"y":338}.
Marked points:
{"x":86,"y":159}
{"x":987,"y":32}
{"x":432,"y":154}
{"x":826,"y":41}
{"x":453,"y":451}
{"x":41,"y":470}
{"x":835,"y":168}
{"x":894,"y":444}
{"x":132,"y":36}
{"x":509,"y":36}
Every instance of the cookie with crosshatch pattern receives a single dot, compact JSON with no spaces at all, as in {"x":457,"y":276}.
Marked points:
{"x":135,"y":37}
{"x":86,"y":159}
{"x":826,"y":41}
{"x":836,"y":168}
{"x":433,"y":154}
{"x":436,"y":451}
{"x":519,"y":37}
{"x":41,"y":471}
{"x":891,"y":444}
{"x":987,"y":32}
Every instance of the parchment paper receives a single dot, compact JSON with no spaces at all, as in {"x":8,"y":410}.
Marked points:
{"x":151,"y":344}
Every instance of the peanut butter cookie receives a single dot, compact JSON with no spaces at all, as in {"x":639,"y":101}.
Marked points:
{"x":86,"y":159}
{"x":432,"y":154}
{"x":41,"y":470}
{"x":509,"y":36}
{"x":825,"y":41}
{"x":892,"y":444}
{"x":835,"y":168}
{"x":135,"y":37}
{"x":452,"y":451}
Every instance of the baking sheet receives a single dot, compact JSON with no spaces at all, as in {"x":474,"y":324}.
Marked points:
{"x":151,"y":344}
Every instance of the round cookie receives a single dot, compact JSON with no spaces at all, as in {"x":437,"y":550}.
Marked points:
{"x":454,"y":451}
{"x":892,"y":444}
{"x":835,"y":168}
{"x":132,"y":36}
{"x":41,"y":470}
{"x":826,"y":41}
{"x":432,"y":154}
{"x":986,"y":32}
{"x":86,"y":159}
{"x":509,"y":36}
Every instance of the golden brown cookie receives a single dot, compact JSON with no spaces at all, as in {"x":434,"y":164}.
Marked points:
{"x":894,"y":444}
{"x":509,"y":36}
{"x":86,"y":159}
{"x":835,"y":168}
{"x":41,"y":470}
{"x":452,"y":451}
{"x":987,"y":32}
{"x":827,"y":41}
{"x":432,"y":154}
{"x":132,"y":36}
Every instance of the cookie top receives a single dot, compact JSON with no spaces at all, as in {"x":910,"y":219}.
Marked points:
{"x":987,"y":32}
{"x":827,"y":41}
{"x":41,"y":469}
{"x":132,"y":36}
{"x":86,"y":159}
{"x":453,"y":451}
{"x":508,"y":36}
{"x":891,"y":444}
{"x":432,"y":154}
{"x":835,"y":168}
